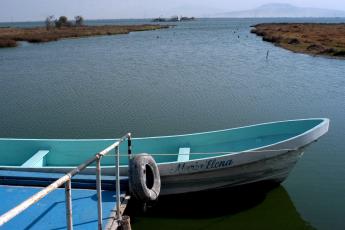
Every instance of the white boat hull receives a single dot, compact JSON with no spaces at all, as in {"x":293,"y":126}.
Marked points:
{"x":273,"y":169}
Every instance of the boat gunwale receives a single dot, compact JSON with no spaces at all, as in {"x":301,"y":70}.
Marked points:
{"x":170,"y":136}
{"x":322,"y":123}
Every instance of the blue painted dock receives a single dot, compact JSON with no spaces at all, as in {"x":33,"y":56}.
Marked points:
{"x":50,"y":212}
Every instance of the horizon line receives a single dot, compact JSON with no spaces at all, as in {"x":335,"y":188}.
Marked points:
{"x":205,"y":17}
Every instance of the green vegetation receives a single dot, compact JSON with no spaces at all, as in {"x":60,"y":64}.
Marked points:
{"x":51,"y":22}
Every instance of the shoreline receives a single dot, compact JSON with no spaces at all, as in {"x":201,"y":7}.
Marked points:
{"x":318,"y":39}
{"x":9,"y":37}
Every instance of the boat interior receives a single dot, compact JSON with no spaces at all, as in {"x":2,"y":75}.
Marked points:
{"x":62,"y":152}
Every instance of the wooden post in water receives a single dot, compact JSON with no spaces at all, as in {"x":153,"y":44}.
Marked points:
{"x":125,"y":223}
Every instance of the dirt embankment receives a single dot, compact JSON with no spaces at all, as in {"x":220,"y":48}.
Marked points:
{"x":309,"y":38}
{"x":10,"y":36}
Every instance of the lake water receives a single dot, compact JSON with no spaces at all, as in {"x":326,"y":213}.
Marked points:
{"x":203,"y":75}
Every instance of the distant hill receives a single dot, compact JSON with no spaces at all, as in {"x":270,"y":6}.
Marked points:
{"x":282,"y":10}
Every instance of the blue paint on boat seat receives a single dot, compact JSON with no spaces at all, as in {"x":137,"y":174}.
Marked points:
{"x":37,"y":160}
{"x":183,"y":154}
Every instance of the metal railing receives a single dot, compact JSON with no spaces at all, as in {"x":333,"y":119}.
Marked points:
{"x":66,"y":179}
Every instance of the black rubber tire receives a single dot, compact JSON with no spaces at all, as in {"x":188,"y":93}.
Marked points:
{"x":144,"y":178}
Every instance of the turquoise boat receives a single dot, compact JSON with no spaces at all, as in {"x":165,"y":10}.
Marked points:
{"x":187,"y":163}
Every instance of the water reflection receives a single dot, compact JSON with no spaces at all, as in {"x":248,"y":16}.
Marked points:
{"x":251,"y":207}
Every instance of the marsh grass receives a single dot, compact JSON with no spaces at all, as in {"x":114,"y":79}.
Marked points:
{"x":10,"y":36}
{"x":310,"y":38}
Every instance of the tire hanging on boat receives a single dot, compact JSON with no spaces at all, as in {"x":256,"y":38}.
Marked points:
{"x":144,"y":178}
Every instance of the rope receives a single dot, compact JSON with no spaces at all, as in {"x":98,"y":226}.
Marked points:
{"x":213,"y":153}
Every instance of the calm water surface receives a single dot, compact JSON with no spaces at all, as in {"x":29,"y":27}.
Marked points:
{"x":198,"y":76}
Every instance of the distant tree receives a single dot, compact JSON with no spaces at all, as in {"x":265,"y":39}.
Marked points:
{"x":79,"y":20}
{"x":57,"y":24}
{"x":62,"y":21}
{"x":49,"y":22}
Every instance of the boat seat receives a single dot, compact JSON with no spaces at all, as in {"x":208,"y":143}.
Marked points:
{"x":37,"y":160}
{"x":183,"y":154}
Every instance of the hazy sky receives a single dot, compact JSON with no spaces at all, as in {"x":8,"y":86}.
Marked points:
{"x":33,"y":10}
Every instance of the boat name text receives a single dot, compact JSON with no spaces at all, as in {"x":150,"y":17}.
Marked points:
{"x":198,"y":166}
